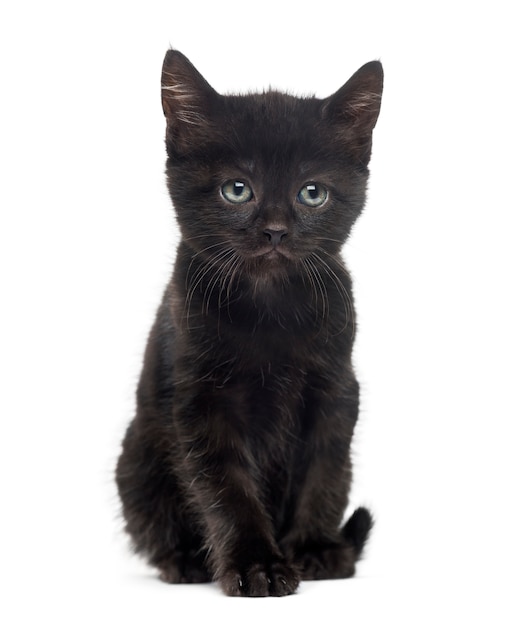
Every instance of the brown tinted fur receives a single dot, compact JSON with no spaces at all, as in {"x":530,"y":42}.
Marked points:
{"x":237,"y":465}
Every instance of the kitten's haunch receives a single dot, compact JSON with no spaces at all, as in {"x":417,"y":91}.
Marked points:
{"x":236,"y":467}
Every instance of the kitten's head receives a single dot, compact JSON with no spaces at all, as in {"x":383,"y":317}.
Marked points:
{"x":267,"y":180}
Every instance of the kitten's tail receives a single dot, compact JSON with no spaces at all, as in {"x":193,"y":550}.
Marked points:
{"x":357,"y":528}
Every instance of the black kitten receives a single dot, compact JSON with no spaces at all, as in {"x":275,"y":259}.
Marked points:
{"x":237,"y":467}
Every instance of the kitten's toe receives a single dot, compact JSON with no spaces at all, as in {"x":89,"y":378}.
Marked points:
{"x":232,"y":583}
{"x":284,"y":580}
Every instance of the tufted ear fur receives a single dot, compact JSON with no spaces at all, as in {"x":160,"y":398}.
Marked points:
{"x":355,"y":107}
{"x":188,"y":102}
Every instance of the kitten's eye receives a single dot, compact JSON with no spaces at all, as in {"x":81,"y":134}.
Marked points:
{"x":312,"y":194}
{"x":237,"y":192}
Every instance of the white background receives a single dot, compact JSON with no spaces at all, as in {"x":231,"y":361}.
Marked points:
{"x":441,"y":260}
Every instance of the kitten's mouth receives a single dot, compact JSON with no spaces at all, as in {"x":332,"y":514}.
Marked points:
{"x":272,"y":253}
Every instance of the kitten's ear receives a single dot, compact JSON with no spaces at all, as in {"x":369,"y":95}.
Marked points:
{"x":187,"y":100}
{"x":355,"y":107}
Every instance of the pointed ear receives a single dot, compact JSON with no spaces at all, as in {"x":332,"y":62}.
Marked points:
{"x":355,"y":107}
{"x":187,"y":98}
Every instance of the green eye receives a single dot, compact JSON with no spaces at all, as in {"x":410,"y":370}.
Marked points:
{"x":312,"y":194}
{"x":237,"y":192}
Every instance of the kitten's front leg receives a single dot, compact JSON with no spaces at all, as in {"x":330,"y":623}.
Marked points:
{"x":242,"y":552}
{"x":246,"y":559}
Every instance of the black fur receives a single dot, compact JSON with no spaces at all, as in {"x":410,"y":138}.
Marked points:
{"x":237,"y":465}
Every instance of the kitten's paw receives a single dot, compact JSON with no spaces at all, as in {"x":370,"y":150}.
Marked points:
{"x":183,"y":569}
{"x":259,"y":580}
{"x":326,"y":562}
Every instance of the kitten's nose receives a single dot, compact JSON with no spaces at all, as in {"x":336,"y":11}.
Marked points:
{"x":275,"y":235}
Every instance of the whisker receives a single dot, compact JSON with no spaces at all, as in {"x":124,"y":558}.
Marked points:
{"x":333,"y":240}
{"x":340,"y":287}
{"x":229,"y":279}
{"x":215,"y":279}
{"x":198,"y":253}
{"x":311,"y":282}
{"x":319,"y":285}
{"x":201,"y":272}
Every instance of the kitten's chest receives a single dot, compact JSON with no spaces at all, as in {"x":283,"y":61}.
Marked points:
{"x":268,"y":410}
